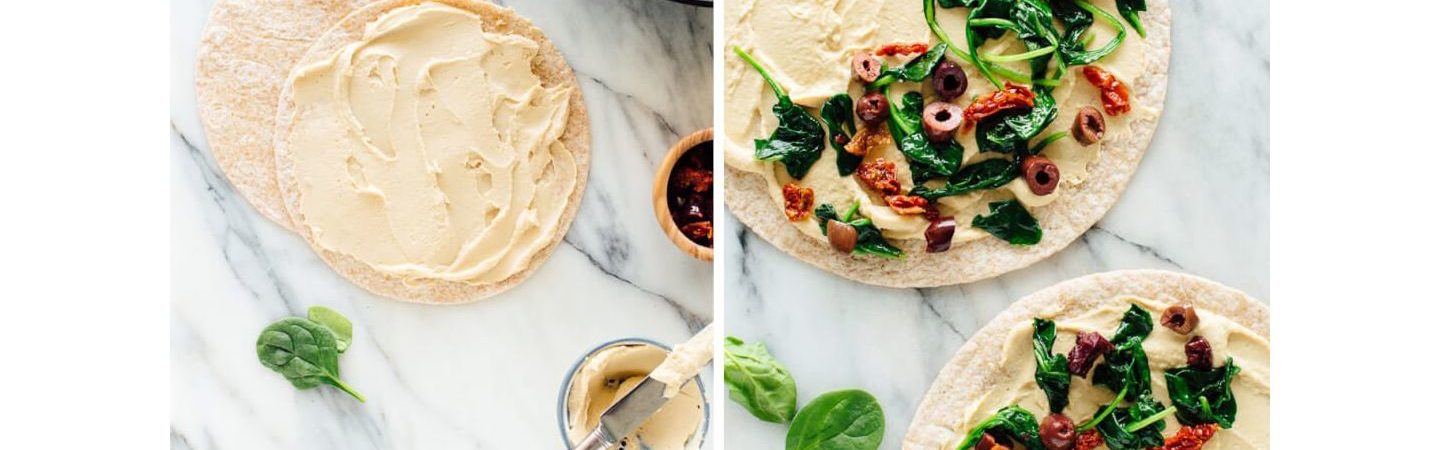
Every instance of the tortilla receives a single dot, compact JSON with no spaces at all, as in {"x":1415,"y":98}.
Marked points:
{"x":975,"y":369}
{"x":549,"y":65}
{"x":1064,"y":220}
{"x":246,"y":52}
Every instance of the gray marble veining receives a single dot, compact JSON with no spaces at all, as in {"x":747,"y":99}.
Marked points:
{"x":1199,"y":203}
{"x":483,"y":375}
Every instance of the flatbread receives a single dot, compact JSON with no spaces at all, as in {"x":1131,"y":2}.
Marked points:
{"x":246,"y":52}
{"x":975,"y":369}
{"x":1063,"y":220}
{"x":549,"y":65}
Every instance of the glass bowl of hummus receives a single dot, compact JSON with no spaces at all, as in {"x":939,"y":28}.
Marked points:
{"x":606,"y":373}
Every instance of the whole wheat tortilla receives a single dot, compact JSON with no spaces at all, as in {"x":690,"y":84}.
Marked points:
{"x":1064,"y":220}
{"x":246,"y":52}
{"x":549,"y":65}
{"x":975,"y":369}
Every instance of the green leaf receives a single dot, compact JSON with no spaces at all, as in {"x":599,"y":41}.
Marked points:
{"x":1127,"y":367}
{"x":987,"y":174}
{"x":959,"y":3}
{"x":916,"y":70}
{"x":1130,"y":10}
{"x":868,"y":241}
{"x":848,"y":419}
{"x":336,"y":322}
{"x":1188,"y":386}
{"x":839,"y":116}
{"x":1077,"y":16}
{"x":1010,"y":132}
{"x":1051,"y":371}
{"x":927,"y":160}
{"x":304,"y":352}
{"x":1012,"y":422}
{"x":758,"y":382}
{"x":798,"y":139}
{"x":1135,"y":428}
{"x":1135,"y":323}
{"x":1008,"y":220}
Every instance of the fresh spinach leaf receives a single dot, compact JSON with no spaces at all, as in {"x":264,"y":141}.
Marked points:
{"x":913,"y":71}
{"x":1203,"y":395}
{"x":304,"y":352}
{"x":1012,"y":422}
{"x":868,"y":240}
{"x":1010,"y":221}
{"x":758,"y":382}
{"x":987,"y":174}
{"x":840,"y":120}
{"x":798,"y":140}
{"x":1141,"y":426}
{"x":927,"y":160}
{"x":336,"y":322}
{"x":848,"y":419}
{"x":1052,"y":373}
{"x":1011,"y":131}
{"x":1130,"y":10}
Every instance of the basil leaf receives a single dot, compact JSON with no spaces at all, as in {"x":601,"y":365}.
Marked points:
{"x":758,"y":382}
{"x":1116,"y":430}
{"x":848,"y":419}
{"x":336,"y":322}
{"x":987,"y":174}
{"x":1012,"y":422}
{"x":304,"y":352}
{"x":1010,"y":221}
{"x":1130,"y":10}
{"x":1010,"y":132}
{"x":798,"y":139}
{"x":1051,"y":370}
{"x":1188,"y":386}
{"x":838,"y":113}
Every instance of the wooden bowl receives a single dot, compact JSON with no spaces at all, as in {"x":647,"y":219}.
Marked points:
{"x":662,"y":205}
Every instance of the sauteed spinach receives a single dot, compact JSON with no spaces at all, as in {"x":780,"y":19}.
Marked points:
{"x":1012,"y":422}
{"x":798,"y":140}
{"x":1203,"y":395}
{"x":1051,"y":372}
{"x":841,"y":122}
{"x":987,"y":174}
{"x":1010,"y":221}
{"x":869,"y":240}
{"x":927,"y":160}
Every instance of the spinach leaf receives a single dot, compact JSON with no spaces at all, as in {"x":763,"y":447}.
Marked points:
{"x":1051,"y":371}
{"x":758,"y":382}
{"x":868,"y":241}
{"x":304,"y":352}
{"x":959,"y":3}
{"x":1010,"y":221}
{"x":848,"y":419}
{"x":1012,"y":422}
{"x":1130,"y":10}
{"x":976,"y":35}
{"x":987,"y":174}
{"x":914,"y":71}
{"x":1010,"y":132}
{"x":927,"y":160}
{"x":1077,"y":16}
{"x":1034,"y":25}
{"x":336,"y":322}
{"x":1125,"y":369}
{"x":798,"y":140}
{"x":1141,"y":426}
{"x":1203,"y":395}
{"x":840,"y":120}
{"x":1135,"y":323}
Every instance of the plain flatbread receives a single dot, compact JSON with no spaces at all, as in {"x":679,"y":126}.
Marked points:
{"x":549,"y":65}
{"x":1063,"y":220}
{"x":246,"y":53}
{"x":975,"y":369}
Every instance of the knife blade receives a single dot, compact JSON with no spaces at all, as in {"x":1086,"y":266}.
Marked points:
{"x":626,"y":415}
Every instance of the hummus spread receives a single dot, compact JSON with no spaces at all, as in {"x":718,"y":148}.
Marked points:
{"x":685,"y":361}
{"x":430,"y":150}
{"x":607,"y":375}
{"x":807,"y":47}
{"x":1165,"y":350}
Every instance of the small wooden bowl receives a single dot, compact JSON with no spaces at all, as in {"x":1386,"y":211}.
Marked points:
{"x":661,"y":197}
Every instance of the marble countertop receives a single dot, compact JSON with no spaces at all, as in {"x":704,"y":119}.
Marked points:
{"x":483,"y":375}
{"x":1199,"y":204}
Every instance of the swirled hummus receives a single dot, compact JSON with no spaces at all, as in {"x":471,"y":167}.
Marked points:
{"x":428,"y":149}
{"x":1165,"y":350}
{"x":606,"y":376}
{"x":807,"y":47}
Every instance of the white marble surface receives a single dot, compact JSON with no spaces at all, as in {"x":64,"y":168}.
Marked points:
{"x":1199,"y":203}
{"x":483,"y":375}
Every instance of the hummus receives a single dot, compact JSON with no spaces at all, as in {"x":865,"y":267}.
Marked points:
{"x":1165,"y":350}
{"x":430,"y":150}
{"x":807,"y":46}
{"x":685,"y":361}
{"x":607,"y":375}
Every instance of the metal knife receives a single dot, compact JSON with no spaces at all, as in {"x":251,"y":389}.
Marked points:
{"x":625,"y":415}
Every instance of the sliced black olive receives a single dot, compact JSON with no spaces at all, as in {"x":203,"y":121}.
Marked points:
{"x":1041,"y":174}
{"x":1057,"y":432}
{"x":866,"y":66}
{"x":1089,"y":126}
{"x":949,"y":80}
{"x":873,"y":108}
{"x":1180,"y":318}
{"x":842,"y":236}
{"x":939,"y":234}
{"x":941,"y":119}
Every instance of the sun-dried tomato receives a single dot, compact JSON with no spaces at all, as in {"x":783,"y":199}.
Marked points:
{"x":798,"y":201}
{"x":1114,"y":96}
{"x":695,"y":179}
{"x":907,"y":205}
{"x":1088,"y":347}
{"x":1190,"y":437}
{"x":880,"y":176}
{"x":700,"y":232}
{"x":1197,"y":353}
{"x":866,"y":139}
{"x":1089,"y":440}
{"x":1012,"y":97}
{"x":902,"y":49}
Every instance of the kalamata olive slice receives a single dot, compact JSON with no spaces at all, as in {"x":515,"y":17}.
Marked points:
{"x":941,"y":119}
{"x":842,"y":236}
{"x":949,"y":80}
{"x":1198,"y":354}
{"x":939,"y":233}
{"x":873,"y":108}
{"x":1089,"y":126}
{"x":1180,"y":318}
{"x":866,"y":66}
{"x":1041,"y":174}
{"x":1057,"y":432}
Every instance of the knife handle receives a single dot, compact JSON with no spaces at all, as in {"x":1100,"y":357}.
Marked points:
{"x":596,"y":440}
